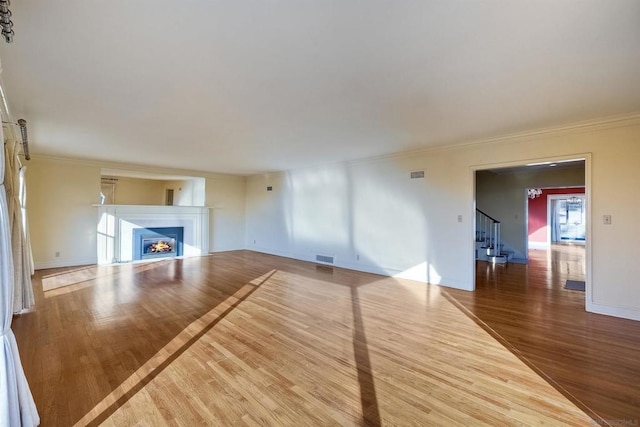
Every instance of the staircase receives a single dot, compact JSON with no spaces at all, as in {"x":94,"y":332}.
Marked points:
{"x":489,"y":246}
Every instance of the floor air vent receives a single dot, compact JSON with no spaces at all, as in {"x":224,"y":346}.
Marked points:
{"x":324,"y":258}
{"x":417,"y":174}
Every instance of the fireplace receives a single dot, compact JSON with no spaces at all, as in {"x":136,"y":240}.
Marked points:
{"x":159,"y":242}
{"x":116,"y":225}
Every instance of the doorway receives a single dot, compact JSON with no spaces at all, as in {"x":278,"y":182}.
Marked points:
{"x":567,"y":218}
{"x":502,"y":189}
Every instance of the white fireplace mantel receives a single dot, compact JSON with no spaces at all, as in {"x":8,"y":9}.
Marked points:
{"x":116,"y":224}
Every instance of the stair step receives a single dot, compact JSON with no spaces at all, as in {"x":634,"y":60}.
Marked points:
{"x":497,"y":259}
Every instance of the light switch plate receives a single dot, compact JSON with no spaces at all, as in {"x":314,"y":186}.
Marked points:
{"x":606,"y":219}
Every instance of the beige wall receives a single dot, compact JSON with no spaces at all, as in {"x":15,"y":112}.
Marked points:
{"x":372,"y":217}
{"x":227,"y":213}
{"x":61,"y":193}
{"x":188,"y":192}
{"x":62,"y":222}
{"x":135,"y":191}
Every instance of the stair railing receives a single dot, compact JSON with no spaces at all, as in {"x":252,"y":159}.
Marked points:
{"x":488,"y":232}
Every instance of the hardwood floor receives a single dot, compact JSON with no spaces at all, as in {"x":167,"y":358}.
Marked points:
{"x":247,"y":338}
{"x":590,"y":358}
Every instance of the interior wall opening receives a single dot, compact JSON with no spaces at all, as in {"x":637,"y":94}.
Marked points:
{"x":538,"y":216}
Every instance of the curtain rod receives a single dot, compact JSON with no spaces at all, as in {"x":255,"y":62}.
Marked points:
{"x":5,"y":21}
{"x":23,"y":131}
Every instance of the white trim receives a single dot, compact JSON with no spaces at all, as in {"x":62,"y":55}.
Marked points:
{"x":472,"y":243}
{"x":57,"y":263}
{"x":605,"y":122}
{"x":526,"y":224}
{"x":366,"y":268}
{"x":588,"y":236}
{"x":560,"y":197}
{"x":608,"y":122}
{"x":539,"y":245}
{"x":524,"y":162}
{"x":587,"y":186}
{"x":106,"y":164}
{"x":116,"y":224}
{"x":610,"y":310}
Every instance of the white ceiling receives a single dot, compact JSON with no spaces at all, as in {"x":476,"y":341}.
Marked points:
{"x":251,"y":86}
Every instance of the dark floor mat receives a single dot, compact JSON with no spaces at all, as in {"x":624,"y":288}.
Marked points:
{"x":575,"y":285}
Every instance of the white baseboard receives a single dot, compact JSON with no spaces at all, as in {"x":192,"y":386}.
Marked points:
{"x":57,"y":263}
{"x":366,"y":268}
{"x":217,"y":250}
{"x":623,"y":312}
{"x":539,"y":245}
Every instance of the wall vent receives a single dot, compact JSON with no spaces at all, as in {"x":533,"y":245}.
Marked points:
{"x":324,"y":258}
{"x":269,"y":188}
{"x":417,"y":174}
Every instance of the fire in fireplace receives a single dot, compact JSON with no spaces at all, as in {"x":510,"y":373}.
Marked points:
{"x":159,"y":245}
{"x":157,"y":242}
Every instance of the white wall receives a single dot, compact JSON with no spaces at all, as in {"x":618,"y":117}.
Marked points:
{"x":369,"y":215}
{"x":503,"y":197}
{"x":409,"y":227}
{"x":62,"y":219}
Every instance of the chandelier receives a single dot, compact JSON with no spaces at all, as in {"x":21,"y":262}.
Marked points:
{"x":534,"y":192}
{"x":573,"y":200}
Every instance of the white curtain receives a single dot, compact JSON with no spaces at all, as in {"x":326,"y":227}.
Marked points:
{"x":23,"y":298}
{"x":30,"y":268}
{"x":17,"y":407}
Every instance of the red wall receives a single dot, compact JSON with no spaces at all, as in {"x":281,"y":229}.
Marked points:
{"x":538,"y":212}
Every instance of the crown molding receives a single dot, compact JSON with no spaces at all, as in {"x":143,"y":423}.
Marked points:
{"x":574,"y":127}
{"x":570,"y":128}
{"x":601,"y":123}
{"x":138,"y":168}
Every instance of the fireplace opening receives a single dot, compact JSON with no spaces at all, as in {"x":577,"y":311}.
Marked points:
{"x":158,"y":242}
{"x":158,"y":245}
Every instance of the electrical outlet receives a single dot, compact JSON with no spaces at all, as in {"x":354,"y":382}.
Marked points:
{"x":606,"y":219}
{"x":459,"y":218}
{"x":254,"y":242}
{"x":358,"y":257}
{"x":57,"y":254}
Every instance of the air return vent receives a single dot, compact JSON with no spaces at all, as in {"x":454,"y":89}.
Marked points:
{"x":324,"y":258}
{"x":417,"y":174}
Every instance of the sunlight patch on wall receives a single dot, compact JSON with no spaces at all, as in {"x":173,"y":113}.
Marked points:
{"x":106,"y":227}
{"x":422,"y":272}
{"x":388,"y":222}
{"x":319,"y":212}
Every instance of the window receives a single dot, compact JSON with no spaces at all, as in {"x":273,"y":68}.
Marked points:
{"x":108,"y":191}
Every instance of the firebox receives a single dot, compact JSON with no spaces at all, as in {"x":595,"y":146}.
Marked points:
{"x":157,"y":242}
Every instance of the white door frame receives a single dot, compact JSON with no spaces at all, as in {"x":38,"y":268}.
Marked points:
{"x":524,"y":162}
